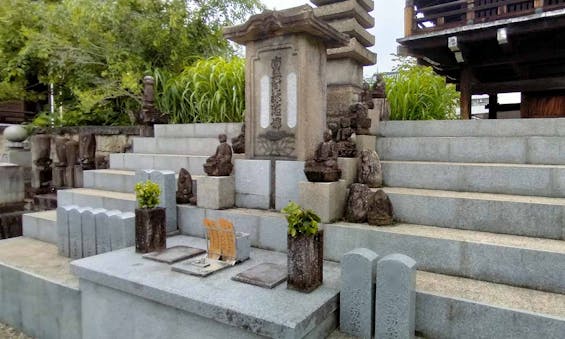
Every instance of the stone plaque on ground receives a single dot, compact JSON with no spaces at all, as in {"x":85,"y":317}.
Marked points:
{"x":174,"y":254}
{"x":266,"y":275}
{"x":201,"y":267}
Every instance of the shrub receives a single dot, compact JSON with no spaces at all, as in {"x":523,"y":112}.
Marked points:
{"x":417,"y":93}
{"x":301,"y":221}
{"x":211,"y":90}
{"x":147,"y":194}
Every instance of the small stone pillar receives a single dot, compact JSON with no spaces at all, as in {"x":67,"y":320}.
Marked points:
{"x":72,"y":149}
{"x":285,"y":81}
{"x":357,"y":295}
{"x":60,"y":168}
{"x":395,"y":306}
{"x":87,"y":151}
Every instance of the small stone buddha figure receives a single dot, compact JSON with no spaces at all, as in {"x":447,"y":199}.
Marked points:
{"x":323,"y":166}
{"x":361,"y":121}
{"x":345,"y":147}
{"x":219,"y":165}
{"x":238,"y":143}
{"x":184,"y":187}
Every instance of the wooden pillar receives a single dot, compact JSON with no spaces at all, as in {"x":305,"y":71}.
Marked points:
{"x":465,"y":90}
{"x":492,"y":106}
{"x":538,"y":5}
{"x":408,"y":18}
{"x":470,"y":12}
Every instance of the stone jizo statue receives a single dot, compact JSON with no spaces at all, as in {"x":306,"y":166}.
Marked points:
{"x":360,"y":113}
{"x":219,"y":165}
{"x":380,"y":211}
{"x":323,"y":166}
{"x":369,"y":171}
{"x":357,"y":203}
{"x":184,"y":188}
{"x":345,"y":147}
{"x":238,"y":143}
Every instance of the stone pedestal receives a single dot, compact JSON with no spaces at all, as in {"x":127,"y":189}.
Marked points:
{"x":285,"y":81}
{"x":348,"y":167}
{"x":70,"y":176}
{"x":150,"y":230}
{"x":216,"y":192}
{"x":364,"y":142}
{"x":20,"y":157}
{"x":327,"y":199}
{"x":253,"y":184}
{"x":59,"y":174}
{"x":79,"y":181}
{"x":287,"y":176}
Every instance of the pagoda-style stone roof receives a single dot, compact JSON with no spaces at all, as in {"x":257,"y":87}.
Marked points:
{"x":291,"y":21}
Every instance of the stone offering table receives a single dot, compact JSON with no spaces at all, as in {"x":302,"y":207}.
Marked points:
{"x":126,"y":296}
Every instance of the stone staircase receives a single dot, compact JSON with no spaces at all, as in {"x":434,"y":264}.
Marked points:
{"x":480,"y":206}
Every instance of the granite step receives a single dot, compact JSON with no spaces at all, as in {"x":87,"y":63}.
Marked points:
{"x":539,"y":217}
{"x":38,"y":293}
{"x":514,"y":179}
{"x":197,"y":130}
{"x":512,"y":150}
{"x":171,"y":162}
{"x":474,"y":128}
{"x":110,"y":180}
{"x":88,"y":197}
{"x":41,"y":226}
{"x":181,"y":146}
{"x":507,"y":259}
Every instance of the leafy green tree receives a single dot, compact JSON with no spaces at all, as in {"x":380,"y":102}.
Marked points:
{"x":417,"y":93}
{"x":96,"y":52}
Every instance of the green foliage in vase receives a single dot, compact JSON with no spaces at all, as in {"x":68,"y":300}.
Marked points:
{"x":210,"y":90}
{"x":147,"y":194}
{"x":417,"y":93}
{"x":96,"y":52}
{"x":301,"y":221}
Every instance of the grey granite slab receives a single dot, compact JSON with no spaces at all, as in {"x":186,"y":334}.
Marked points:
{"x":174,"y":254}
{"x":267,"y":275}
{"x":277,"y":313}
{"x":201,"y":267}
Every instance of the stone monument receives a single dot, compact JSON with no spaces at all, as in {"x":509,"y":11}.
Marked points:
{"x":369,"y":170}
{"x":219,"y":164}
{"x":72,"y":152}
{"x":41,"y":175}
{"x":60,"y":168}
{"x":322,"y":167}
{"x":87,"y":151}
{"x":285,"y":81}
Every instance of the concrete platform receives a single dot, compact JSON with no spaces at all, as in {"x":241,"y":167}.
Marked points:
{"x":515,"y":179}
{"x":515,"y":150}
{"x":38,"y":294}
{"x":41,"y":226}
{"x":125,"y":296}
{"x":87,"y":197}
{"x":496,"y":213}
{"x":474,"y":128}
{"x":506,"y":259}
{"x":161,"y":145}
{"x":171,"y":162}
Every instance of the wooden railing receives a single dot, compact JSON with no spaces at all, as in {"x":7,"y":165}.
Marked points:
{"x":422,"y":16}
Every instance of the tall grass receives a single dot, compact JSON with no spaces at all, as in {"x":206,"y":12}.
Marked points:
{"x":211,"y":90}
{"x":417,"y":93}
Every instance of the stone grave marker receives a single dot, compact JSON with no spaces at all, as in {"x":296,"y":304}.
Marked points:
{"x":395,"y":305}
{"x":267,"y":275}
{"x":358,"y":270}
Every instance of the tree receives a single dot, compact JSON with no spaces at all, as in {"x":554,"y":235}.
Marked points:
{"x":96,"y":52}
{"x":417,"y":93}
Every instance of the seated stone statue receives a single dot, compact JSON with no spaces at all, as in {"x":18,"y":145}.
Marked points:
{"x":323,"y":166}
{"x":219,"y":165}
{"x":184,"y":188}
{"x":238,"y":143}
{"x":361,"y":121}
{"x":345,"y":147}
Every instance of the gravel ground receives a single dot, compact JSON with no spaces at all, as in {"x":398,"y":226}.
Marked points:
{"x":7,"y":332}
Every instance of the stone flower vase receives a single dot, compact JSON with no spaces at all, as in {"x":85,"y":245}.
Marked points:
{"x":305,"y":262}
{"x":150,"y":230}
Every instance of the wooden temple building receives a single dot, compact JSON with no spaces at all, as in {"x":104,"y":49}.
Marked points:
{"x":491,"y":47}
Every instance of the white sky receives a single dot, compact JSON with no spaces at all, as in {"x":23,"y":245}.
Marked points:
{"x":389,"y":26}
